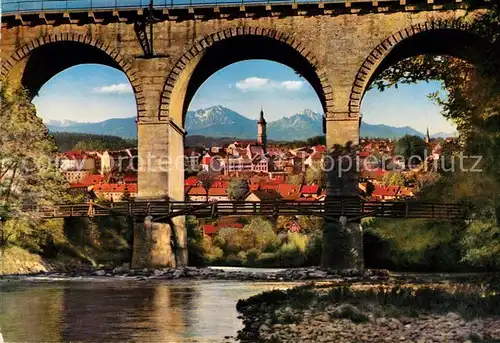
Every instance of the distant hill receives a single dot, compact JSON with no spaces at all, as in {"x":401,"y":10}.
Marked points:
{"x":219,"y":121}
{"x":386,"y":131}
{"x":121,"y":127}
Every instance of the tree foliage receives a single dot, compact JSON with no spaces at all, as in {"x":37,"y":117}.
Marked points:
{"x":394,"y":179}
{"x":296,"y":179}
{"x":412,"y":148}
{"x":206,"y":180}
{"x":316,"y":175}
{"x":237,"y":189}
{"x":28,"y":174}
{"x":90,"y":142}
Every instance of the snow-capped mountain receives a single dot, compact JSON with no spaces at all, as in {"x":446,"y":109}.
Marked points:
{"x":299,"y":126}
{"x":219,"y":121}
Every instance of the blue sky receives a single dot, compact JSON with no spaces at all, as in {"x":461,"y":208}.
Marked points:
{"x":92,"y":93}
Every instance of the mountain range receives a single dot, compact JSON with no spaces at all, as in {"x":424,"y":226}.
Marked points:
{"x":219,"y":121}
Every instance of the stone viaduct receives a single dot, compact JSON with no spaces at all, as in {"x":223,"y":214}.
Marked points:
{"x":338,"y":47}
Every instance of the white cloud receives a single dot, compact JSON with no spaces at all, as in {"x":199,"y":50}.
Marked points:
{"x":257,"y":83}
{"x":292,"y":85}
{"x":252,"y":83}
{"x":119,"y":88}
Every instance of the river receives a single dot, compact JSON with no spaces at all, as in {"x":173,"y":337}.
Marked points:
{"x":113,"y":310}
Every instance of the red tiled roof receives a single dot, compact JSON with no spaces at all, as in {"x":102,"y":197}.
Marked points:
{"x":189,"y":152}
{"x":269,"y":186}
{"x":206,"y":160}
{"x":116,"y":188}
{"x":209,"y":229}
{"x":279,"y":178}
{"x":191,"y":181}
{"x":363,"y":154}
{"x":385,"y":191}
{"x":377,"y":173}
{"x":92,"y":179}
{"x":220,"y":184}
{"x":320,"y":148}
{"x":288,"y":190}
{"x":256,"y":150}
{"x":254,"y":186}
{"x":130,"y":178}
{"x":217,"y":191}
{"x":310,"y":189}
{"x":197,"y":191}
{"x":75,"y":155}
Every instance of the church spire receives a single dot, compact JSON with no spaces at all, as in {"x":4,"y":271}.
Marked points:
{"x":261,"y":118}
{"x":261,"y":130}
{"x":427,"y":136}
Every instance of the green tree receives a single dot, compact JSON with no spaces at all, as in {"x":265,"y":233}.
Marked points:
{"x":316,"y":175}
{"x":28,"y":174}
{"x":412,"y":148}
{"x":90,"y":142}
{"x":264,"y":237}
{"x":296,"y":179}
{"x":394,"y":179}
{"x":206,"y":180}
{"x":311,"y":224}
{"x":237,"y":189}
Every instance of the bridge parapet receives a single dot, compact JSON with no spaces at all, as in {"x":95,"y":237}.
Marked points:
{"x":102,"y":11}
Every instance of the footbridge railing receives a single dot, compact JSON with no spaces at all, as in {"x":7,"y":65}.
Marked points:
{"x":352,"y":208}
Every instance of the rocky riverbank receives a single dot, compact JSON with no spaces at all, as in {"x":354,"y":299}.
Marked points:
{"x":295,"y":274}
{"x":367,"y":313}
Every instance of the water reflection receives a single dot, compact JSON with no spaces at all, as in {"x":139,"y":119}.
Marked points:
{"x":118,"y":311}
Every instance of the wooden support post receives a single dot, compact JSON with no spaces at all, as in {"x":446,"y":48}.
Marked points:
{"x":214,"y":209}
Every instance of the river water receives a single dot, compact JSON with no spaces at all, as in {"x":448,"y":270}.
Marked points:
{"x":113,"y":310}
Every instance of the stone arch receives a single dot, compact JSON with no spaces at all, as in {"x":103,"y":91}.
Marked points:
{"x":190,"y":60}
{"x":432,"y":37}
{"x":116,"y":60}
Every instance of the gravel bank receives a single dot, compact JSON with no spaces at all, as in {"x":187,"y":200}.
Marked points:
{"x":414,"y":313}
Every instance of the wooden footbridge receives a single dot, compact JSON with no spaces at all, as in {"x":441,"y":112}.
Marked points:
{"x":352,"y":208}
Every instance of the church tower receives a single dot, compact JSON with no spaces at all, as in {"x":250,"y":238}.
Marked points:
{"x":261,"y":130}
{"x":427,"y":136}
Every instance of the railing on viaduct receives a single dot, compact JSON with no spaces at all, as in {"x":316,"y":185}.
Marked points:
{"x":27,"y":6}
{"x":351,"y":208}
